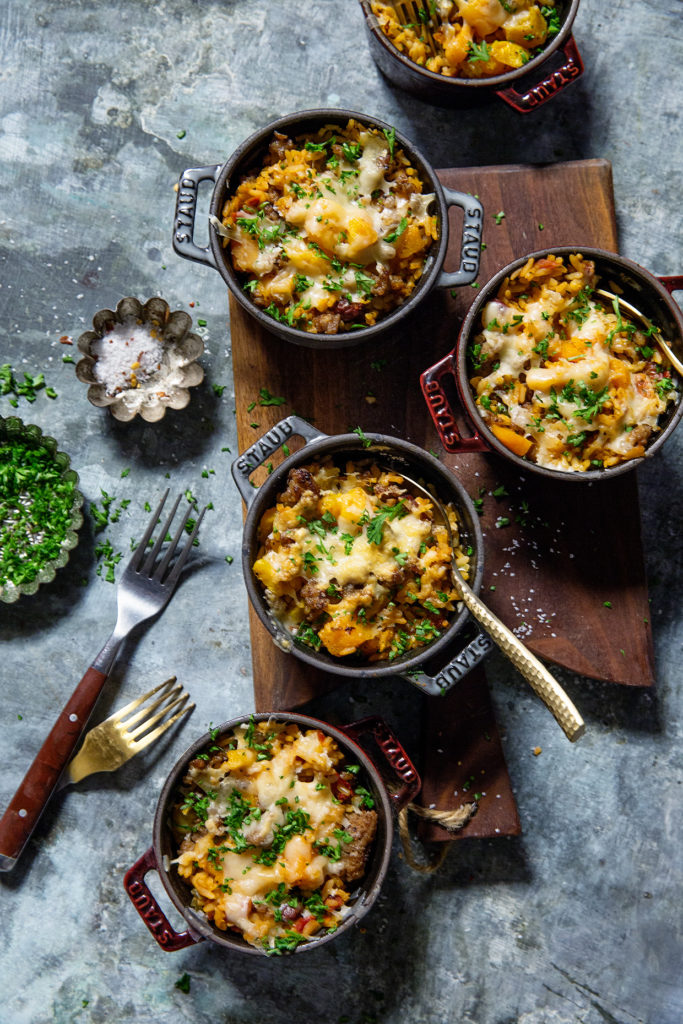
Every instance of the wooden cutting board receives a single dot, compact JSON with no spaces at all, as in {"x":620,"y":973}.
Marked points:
{"x":564,"y":564}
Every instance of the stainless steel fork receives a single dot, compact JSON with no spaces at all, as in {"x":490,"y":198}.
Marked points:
{"x":144,"y":590}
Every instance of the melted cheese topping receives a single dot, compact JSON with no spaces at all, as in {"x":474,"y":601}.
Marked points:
{"x":562,"y":380}
{"x":358,"y":564}
{"x":267,"y":832}
{"x":327,"y":222}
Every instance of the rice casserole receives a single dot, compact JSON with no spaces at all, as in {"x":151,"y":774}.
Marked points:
{"x":473,"y":38}
{"x":354,"y":564}
{"x":274,"y":829}
{"x":562,"y":379}
{"x":331,"y":232}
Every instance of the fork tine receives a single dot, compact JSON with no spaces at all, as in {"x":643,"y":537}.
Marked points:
{"x":142,"y":546}
{"x":182,"y":558}
{"x":141,"y":700}
{"x":180,"y":698}
{"x":151,"y":559}
{"x":179,"y":701}
{"x":151,"y":708}
{"x":169,"y":553}
{"x":141,"y":744}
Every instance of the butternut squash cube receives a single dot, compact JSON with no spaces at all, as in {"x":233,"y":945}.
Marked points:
{"x":240,"y":758}
{"x":304,"y":259}
{"x":513,"y":441}
{"x":510,"y":54}
{"x":267,"y":573}
{"x":526,"y":28}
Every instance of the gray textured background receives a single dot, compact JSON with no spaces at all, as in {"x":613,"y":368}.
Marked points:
{"x":576,"y":921}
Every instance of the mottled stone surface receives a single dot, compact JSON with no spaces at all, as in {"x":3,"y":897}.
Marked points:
{"x":101,"y":107}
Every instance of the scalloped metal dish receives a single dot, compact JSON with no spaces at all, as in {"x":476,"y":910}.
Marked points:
{"x":13,"y":428}
{"x":167,"y":389}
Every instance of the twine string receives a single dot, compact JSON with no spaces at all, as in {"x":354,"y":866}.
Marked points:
{"x":452,"y":821}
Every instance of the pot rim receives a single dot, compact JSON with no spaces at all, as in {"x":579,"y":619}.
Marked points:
{"x":495,"y":82}
{"x":200,"y":925}
{"x":250,"y":147}
{"x":327,"y":444}
{"x":484,"y":295}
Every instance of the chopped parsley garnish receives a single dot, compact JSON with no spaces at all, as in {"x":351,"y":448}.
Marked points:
{"x":308,"y":636}
{"x":284,"y":943}
{"x":183,"y":982}
{"x":348,"y":540}
{"x":35,"y":510}
{"x":365,"y":441}
{"x":28,"y":388}
{"x":265,"y":398}
{"x":479,"y":52}
{"x":386,"y":514}
{"x":580,"y":309}
{"x":331,"y":851}
{"x":198,"y":804}
{"x":352,"y":151}
{"x":663,"y":386}
{"x":398,"y":231}
{"x":296,"y":823}
{"x":552,"y":17}
{"x":390,"y":136}
{"x":263,"y":748}
{"x":593,"y":401}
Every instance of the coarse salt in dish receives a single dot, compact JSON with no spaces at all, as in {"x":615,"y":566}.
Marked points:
{"x":128,"y":356}
{"x":140,"y":359}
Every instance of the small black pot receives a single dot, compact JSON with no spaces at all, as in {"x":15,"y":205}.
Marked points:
{"x":227,"y":177}
{"x":404,"y":457}
{"x":650,"y":295}
{"x":397,"y":784}
{"x":521,"y":88}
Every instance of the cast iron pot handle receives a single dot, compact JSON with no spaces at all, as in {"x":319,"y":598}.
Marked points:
{"x":265,"y":447}
{"x":550,"y":86}
{"x":394,"y":754}
{"x":572,"y":69}
{"x":441,"y":411}
{"x":470,"y":242}
{"x":673,"y":283}
{"x":463,"y":663}
{"x":186,"y":211}
{"x":149,"y":910}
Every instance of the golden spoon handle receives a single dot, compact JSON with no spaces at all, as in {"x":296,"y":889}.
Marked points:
{"x":536,"y":674}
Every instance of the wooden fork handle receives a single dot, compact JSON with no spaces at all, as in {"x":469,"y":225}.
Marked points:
{"x":33,"y":795}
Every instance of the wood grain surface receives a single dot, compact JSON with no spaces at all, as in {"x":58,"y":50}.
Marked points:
{"x":564,"y":564}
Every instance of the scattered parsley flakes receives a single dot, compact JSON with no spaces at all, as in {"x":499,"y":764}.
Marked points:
{"x":15,"y":389}
{"x":183,"y":982}
{"x":218,"y":389}
{"x":365,"y":441}
{"x":265,"y":398}
{"x":498,"y":217}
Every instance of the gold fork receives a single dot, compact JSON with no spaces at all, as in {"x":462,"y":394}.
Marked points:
{"x":417,"y":13}
{"x":113,"y":742}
